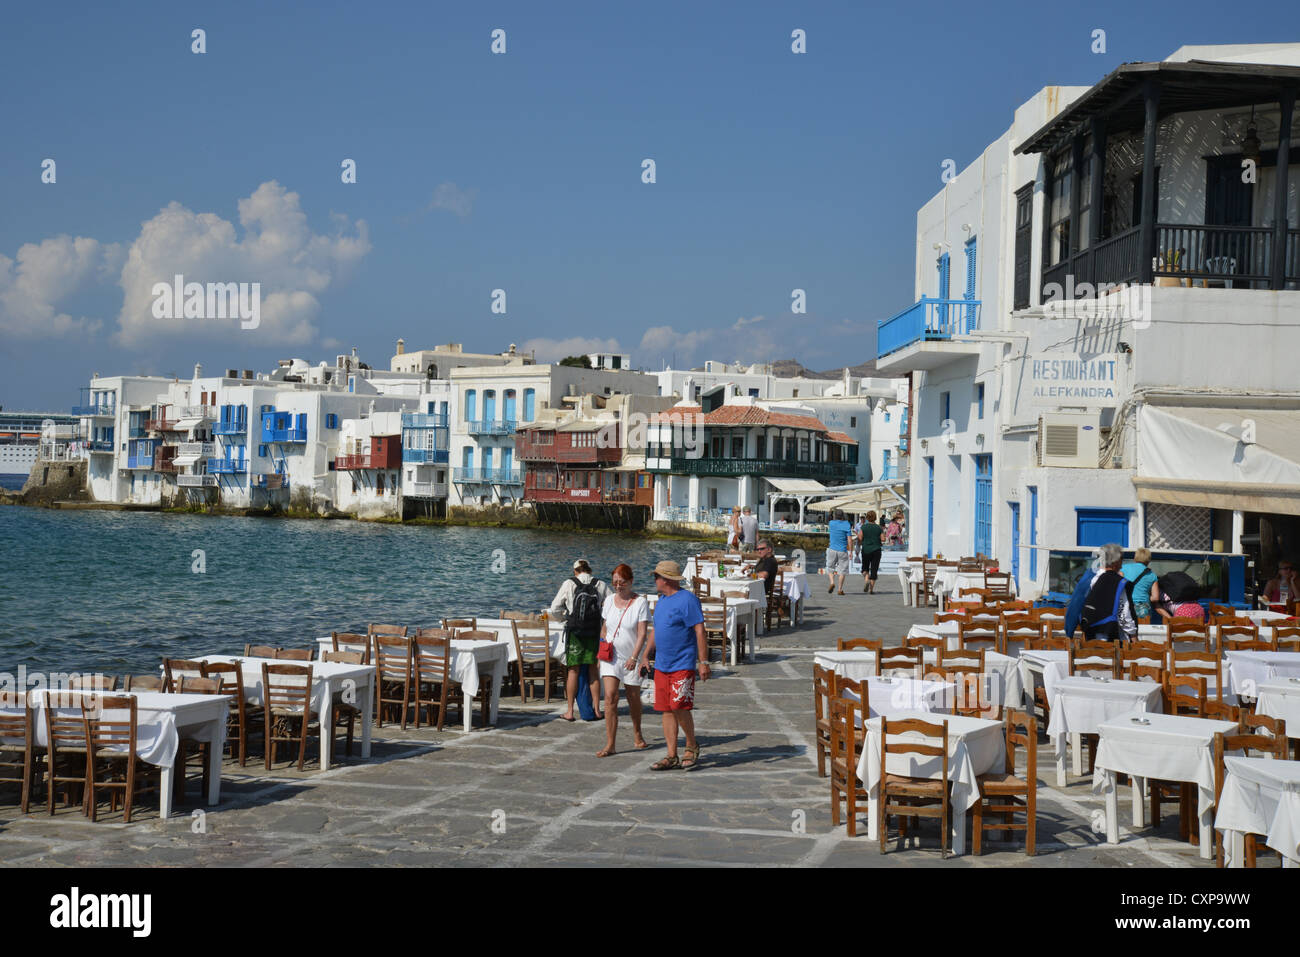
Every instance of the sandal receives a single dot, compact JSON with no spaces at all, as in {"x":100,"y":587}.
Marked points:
{"x":666,"y":764}
{"x":642,"y":746}
{"x":692,"y":762}
{"x":605,"y":752}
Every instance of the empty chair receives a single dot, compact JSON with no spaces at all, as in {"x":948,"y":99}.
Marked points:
{"x":1185,"y":694}
{"x":1093,"y":658}
{"x":393,"y":669}
{"x":928,"y":593}
{"x":259,"y":651}
{"x":925,"y":641}
{"x":905,"y":662}
{"x":858,"y":644}
{"x":998,"y":584}
{"x":1004,"y":794}
{"x":957,"y":615}
{"x":715,"y":625}
{"x":460,"y":624}
{"x":702,"y":587}
{"x":1050,"y":641}
{"x":1244,"y":638}
{"x":907,"y":797}
{"x":1188,"y":632}
{"x":295,"y":654}
{"x":289,"y":715}
{"x":475,"y":635}
{"x":1018,"y":627}
{"x":778,"y":603}
{"x":979,"y":632}
{"x":525,"y":616}
{"x":194,"y":753}
{"x":823,"y":691}
{"x":176,"y":668}
{"x":93,"y":683}
{"x":965,"y":669}
{"x":242,"y":718}
{"x":1205,"y":664}
{"x":1149,"y":654}
{"x":844,"y":716}
{"x":112,"y":726}
{"x":1286,"y":637}
{"x":532,"y":658}
{"x":1221,"y":611}
{"x":351,"y":641}
{"x":1272,"y":745}
{"x":142,"y":683}
{"x":17,"y":744}
{"x":67,"y":736}
{"x":345,"y":713}
{"x":431,"y":674}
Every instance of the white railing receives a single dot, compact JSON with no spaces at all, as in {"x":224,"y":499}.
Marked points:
{"x":202,"y":449}
{"x":196,"y":481}
{"x":424,"y":489}
{"x":198,"y":411}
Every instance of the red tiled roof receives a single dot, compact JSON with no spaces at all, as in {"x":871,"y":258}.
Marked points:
{"x":841,"y":437}
{"x":676,"y":412}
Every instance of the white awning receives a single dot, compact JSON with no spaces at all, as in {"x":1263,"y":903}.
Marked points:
{"x":1216,"y":457}
{"x":184,"y":425}
{"x":185,"y":459}
{"x":793,"y":486}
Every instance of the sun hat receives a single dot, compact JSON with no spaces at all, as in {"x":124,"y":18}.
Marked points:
{"x":670,"y":570}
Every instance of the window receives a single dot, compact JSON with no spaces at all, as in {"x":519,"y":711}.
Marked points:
{"x":1024,"y":232}
{"x":1061,"y":172}
{"x":945,"y":408}
{"x":979,"y":399}
{"x":886,"y":418}
{"x":1100,"y":526}
{"x":737,"y":446}
{"x":332,"y":420}
{"x":379,"y":483}
{"x":795,"y":394}
{"x":471,"y":405}
{"x":753,"y":393}
{"x":944,"y":265}
{"x":804,"y":449}
{"x":970,"y":269}
{"x":853,"y":421}
{"x":530,"y":402}
{"x":261,"y":450}
{"x":760,"y":450}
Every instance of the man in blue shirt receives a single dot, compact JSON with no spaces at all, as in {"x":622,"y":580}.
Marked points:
{"x":837,"y":556}
{"x":679,"y":646}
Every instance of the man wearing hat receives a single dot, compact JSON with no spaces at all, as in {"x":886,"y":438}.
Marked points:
{"x":578,"y":604}
{"x":679,"y":647}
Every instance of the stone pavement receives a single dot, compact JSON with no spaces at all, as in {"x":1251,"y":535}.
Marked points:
{"x":532,"y":792}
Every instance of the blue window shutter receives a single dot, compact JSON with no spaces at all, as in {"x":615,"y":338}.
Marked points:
{"x":970,"y":268}
{"x":943,"y":276}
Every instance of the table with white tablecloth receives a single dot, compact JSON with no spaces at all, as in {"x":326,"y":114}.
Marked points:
{"x":1001,"y":688}
{"x":351,"y":684}
{"x":1261,"y":615}
{"x":739,"y":610}
{"x":1280,"y":698}
{"x":975,"y":746}
{"x":1160,"y":747}
{"x":1080,"y":704}
{"x":162,"y":720}
{"x":1260,"y":796}
{"x":909,"y":575}
{"x":1247,"y":670}
{"x":889,"y":696}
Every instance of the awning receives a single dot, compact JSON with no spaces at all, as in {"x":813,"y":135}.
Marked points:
{"x":793,"y":486}
{"x":183,"y":425}
{"x":1219,"y":457}
{"x":185,"y":459}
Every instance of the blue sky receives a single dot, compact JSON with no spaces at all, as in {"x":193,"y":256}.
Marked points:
{"x":519,"y":171}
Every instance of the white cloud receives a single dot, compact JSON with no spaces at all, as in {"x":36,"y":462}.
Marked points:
{"x":551,"y":349}
{"x":817,"y":342}
{"x":46,"y":274}
{"x":278,"y":249}
{"x":452,"y":198}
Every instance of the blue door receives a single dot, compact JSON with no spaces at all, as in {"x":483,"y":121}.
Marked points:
{"x":1033,"y":532}
{"x":1015,"y":543}
{"x":929,"y":510}
{"x":487,"y":464}
{"x":507,"y":461}
{"x":510,"y":406}
{"x":489,"y":406}
{"x":983,"y":504}
{"x":885,"y":476}
{"x":969,"y":295}
{"x":944,"y":272}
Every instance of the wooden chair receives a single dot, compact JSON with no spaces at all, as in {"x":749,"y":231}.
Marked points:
{"x":1006,"y":793}
{"x":17,"y":744}
{"x":928,"y":595}
{"x":112,"y":752}
{"x":243,"y":718}
{"x":1151,"y":654}
{"x":964,"y":657}
{"x":779,"y":603}
{"x":1187,"y":631}
{"x":1093,"y":658}
{"x":823,"y":692}
{"x":908,"y":797}
{"x":978,"y":633}
{"x":1286,"y":637}
{"x":393,"y":667}
{"x":66,"y":756}
{"x":431,"y":674}
{"x":344,"y":657}
{"x":1137,"y":671}
{"x":858,"y":644}
{"x":527,"y":617}
{"x":892,"y":660}
{"x":287,"y":689}
{"x":1017,"y":627}
{"x":1185,"y":694}
{"x":175,"y":668}
{"x":259,"y":651}
{"x":388,"y":631}
{"x":972,"y":565}
{"x":345,"y":713}
{"x":532,"y":658}
{"x":843,"y":718}
{"x":925,"y":641}
{"x":998,"y":584}
{"x":339,"y":639}
{"x":1230,"y":641}
{"x":1054,"y":641}
{"x":142,"y":683}
{"x":983,"y":594}
{"x":715,"y":626}
{"x":295,"y":654}
{"x":191,"y":752}
{"x":702,"y":587}
{"x":460,"y":624}
{"x":1272,"y":745}
{"x":1205,"y":664}
{"x":471,"y":634}
{"x":1221,"y":611}
{"x":1217,"y":710}
{"x":93,"y":683}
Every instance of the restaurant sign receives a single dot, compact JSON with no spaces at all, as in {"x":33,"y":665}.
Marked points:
{"x":1057,"y":379}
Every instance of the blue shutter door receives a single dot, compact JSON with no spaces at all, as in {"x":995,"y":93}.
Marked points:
{"x":489,"y":405}
{"x":530,"y":398}
{"x":944,"y":270}
{"x":929,"y":511}
{"x":471,"y":405}
{"x":1033,"y":533}
{"x":983,"y":504}
{"x":1100,"y":526}
{"x":970,"y":283}
{"x":1015,"y":543}
{"x":510,"y":406}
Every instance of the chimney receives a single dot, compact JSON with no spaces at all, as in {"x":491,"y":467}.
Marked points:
{"x":401,"y":347}
{"x":248,"y":373}
{"x":232,"y":373}
{"x":198,"y":370}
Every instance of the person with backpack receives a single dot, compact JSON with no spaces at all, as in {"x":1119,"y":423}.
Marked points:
{"x":1140,"y":573}
{"x":578,"y":604}
{"x":1108,"y":613}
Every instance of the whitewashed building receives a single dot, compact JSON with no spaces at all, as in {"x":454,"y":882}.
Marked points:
{"x":1161,"y":412}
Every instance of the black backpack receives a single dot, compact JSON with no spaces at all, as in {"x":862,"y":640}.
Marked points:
{"x":584,"y":617}
{"x":1099,"y":621}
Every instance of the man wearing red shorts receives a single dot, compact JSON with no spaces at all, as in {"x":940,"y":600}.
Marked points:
{"x":679,"y":646}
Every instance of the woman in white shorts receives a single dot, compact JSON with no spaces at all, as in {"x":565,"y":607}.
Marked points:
{"x":626,"y":616}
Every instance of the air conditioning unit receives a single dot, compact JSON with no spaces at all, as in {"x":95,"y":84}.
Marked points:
{"x":1069,"y":439}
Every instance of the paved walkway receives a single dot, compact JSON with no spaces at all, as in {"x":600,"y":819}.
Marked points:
{"x":532,"y":792}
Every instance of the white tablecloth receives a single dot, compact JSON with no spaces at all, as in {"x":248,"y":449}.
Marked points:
{"x":947,"y":630}
{"x":1167,"y":748}
{"x":739,"y":610}
{"x":1261,"y":796}
{"x":1262,"y":615}
{"x":1081,"y":704}
{"x":1002,"y":687}
{"x":1051,"y":664}
{"x":975,"y":747}
{"x":1250,"y":669}
{"x":909,"y":574}
{"x":501,"y":627}
{"x":1281,"y":699}
{"x":889,"y":696}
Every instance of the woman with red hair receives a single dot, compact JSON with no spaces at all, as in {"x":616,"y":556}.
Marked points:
{"x":626,"y":616}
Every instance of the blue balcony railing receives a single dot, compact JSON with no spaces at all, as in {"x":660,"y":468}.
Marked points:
{"x":424,"y":420}
{"x":929,"y":320}
{"x":424,"y":456}
{"x":108,"y":410}
{"x":227,"y":466}
{"x":284,"y":435}
{"x":230,"y":427}
{"x":889,"y":473}
{"x":139,"y":461}
{"x":490,"y":427}
{"x":488,"y":476}
{"x":100,"y":445}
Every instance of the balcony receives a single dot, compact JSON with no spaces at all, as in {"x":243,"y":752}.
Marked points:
{"x":590,"y":454}
{"x":234,"y":427}
{"x":489,"y":427}
{"x":930,"y":320}
{"x":764,"y":468}
{"x":140,"y":461}
{"x":424,"y":456}
{"x":160,"y":425}
{"x":164,"y":461}
{"x":488,"y":476}
{"x":200,"y":412}
{"x":227,"y":466}
{"x":100,"y":445}
{"x":271,"y":481}
{"x":196,"y":481}
{"x":890,"y":473}
{"x":201,"y":450}
{"x":284,"y":436}
{"x":105,"y":411}
{"x":533,"y":451}
{"x":355,"y":462}
{"x":424,"y":489}
{"x":424,"y":420}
